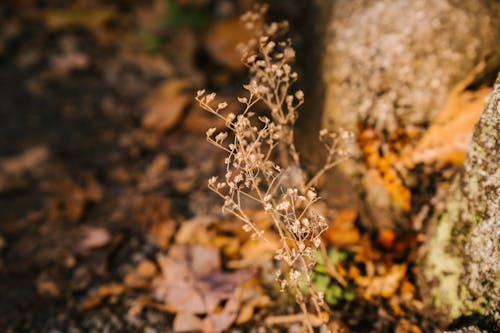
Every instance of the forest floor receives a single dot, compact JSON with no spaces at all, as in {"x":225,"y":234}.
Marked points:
{"x":103,"y":173}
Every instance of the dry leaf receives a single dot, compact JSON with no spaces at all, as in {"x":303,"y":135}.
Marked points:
{"x":91,"y":18}
{"x":164,"y":106}
{"x":24,"y":162}
{"x":193,"y":283}
{"x":255,"y":252}
{"x":142,"y":276}
{"x":195,"y":231}
{"x":64,"y":64}
{"x":253,"y":296}
{"x":45,"y":286}
{"x":222,"y":39}
{"x":112,"y":289}
{"x":342,"y":231}
{"x":155,"y":174}
{"x":446,"y":139}
{"x":386,"y":237}
{"x":382,"y":285}
{"x":93,"y":238}
{"x":153,"y":213}
{"x":382,"y":155}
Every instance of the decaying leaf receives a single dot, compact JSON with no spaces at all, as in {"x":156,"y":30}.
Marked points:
{"x":382,"y":157}
{"x":142,"y":276}
{"x":93,"y":238}
{"x":342,"y":231}
{"x":446,"y":139}
{"x":76,"y":15}
{"x":222,"y":39}
{"x":382,"y":285}
{"x":105,"y":291}
{"x":193,"y":284}
{"x":153,"y":213}
{"x":253,"y":296}
{"x":164,"y":106}
{"x":70,"y":198}
{"x":14,"y":168}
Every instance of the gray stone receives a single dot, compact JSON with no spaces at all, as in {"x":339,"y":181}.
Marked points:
{"x":461,"y":266}
{"x":389,"y":64}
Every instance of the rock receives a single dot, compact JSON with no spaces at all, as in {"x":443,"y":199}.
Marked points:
{"x":461,"y":266}
{"x":390,"y":64}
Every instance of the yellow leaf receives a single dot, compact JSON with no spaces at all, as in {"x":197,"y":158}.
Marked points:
{"x":446,"y":139}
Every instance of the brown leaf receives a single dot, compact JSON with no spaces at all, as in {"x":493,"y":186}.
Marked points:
{"x":64,"y":64}
{"x":164,"y":106}
{"x":78,"y":16}
{"x":222,"y":39}
{"x":155,"y":174}
{"x":142,"y":276}
{"x":93,"y":238}
{"x":382,"y":285}
{"x":187,"y":322}
{"x":342,"y":231}
{"x":253,"y":296}
{"x":111,"y":289}
{"x":45,"y":286}
{"x":26,"y":161}
{"x":193,"y":283}
{"x":446,"y":139}
{"x":255,"y":252}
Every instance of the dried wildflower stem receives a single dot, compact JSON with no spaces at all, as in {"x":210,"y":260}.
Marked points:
{"x":262,"y":163}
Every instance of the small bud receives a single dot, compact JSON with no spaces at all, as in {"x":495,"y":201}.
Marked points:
{"x":211,"y":131}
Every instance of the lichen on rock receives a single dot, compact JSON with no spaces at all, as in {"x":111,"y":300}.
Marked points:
{"x":461,"y":267}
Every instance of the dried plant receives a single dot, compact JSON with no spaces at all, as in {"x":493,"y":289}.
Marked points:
{"x":262,"y":163}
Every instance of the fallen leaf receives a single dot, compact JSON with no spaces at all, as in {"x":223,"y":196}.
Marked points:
{"x":64,"y":64}
{"x":24,"y":162}
{"x":155,"y":174}
{"x":386,"y":237}
{"x":255,"y":252}
{"x":76,"y":15}
{"x":446,"y":139}
{"x":342,"y":232}
{"x":382,"y":285}
{"x":46,"y":286}
{"x":196,"y":231}
{"x":187,"y":322}
{"x":222,"y":39}
{"x":111,"y":289}
{"x":164,"y":106}
{"x":193,"y":284}
{"x":381,"y":154}
{"x":253,"y":296}
{"x":93,"y":238}
{"x":70,"y":198}
{"x":142,"y":276}
{"x":153,"y":214}
{"x":13,"y":169}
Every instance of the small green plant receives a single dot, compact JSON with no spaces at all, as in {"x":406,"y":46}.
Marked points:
{"x":334,"y":292}
{"x":262,"y":164}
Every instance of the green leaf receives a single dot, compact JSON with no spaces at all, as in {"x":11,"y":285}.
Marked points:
{"x":349,"y":294}
{"x":179,"y":16}
{"x":321,"y":282}
{"x":334,"y":294}
{"x":336,"y":255}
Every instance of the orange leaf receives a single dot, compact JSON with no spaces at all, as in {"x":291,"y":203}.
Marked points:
{"x":342,"y":231}
{"x":446,"y":139}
